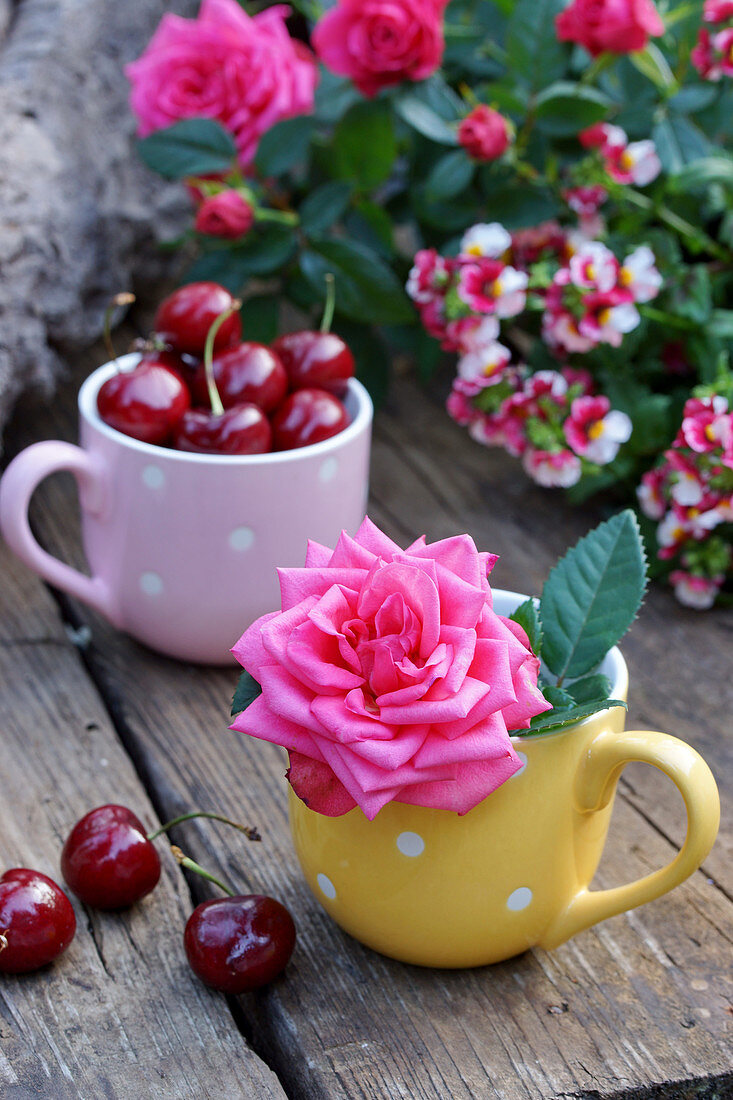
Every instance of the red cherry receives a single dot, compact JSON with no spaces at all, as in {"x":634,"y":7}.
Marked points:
{"x":307,"y":416}
{"x":184,"y":318}
{"x":248,"y":372}
{"x":241,"y":430}
{"x":107,"y":859}
{"x":37,"y":921}
{"x":320,"y":359}
{"x":145,"y":403}
{"x":239,"y":943}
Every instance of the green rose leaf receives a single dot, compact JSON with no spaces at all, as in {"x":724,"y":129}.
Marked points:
{"x":449,"y":176}
{"x":566,"y":108}
{"x":284,"y":145}
{"x":700,"y":173}
{"x":192,"y":147}
{"x":324,"y":206}
{"x":679,"y":142}
{"x":246,"y":692}
{"x":364,"y":145}
{"x":721,"y":323}
{"x":263,"y":252}
{"x":260,"y":316}
{"x":533,"y":51}
{"x":592,"y":596}
{"x":528,"y":617}
{"x":366,"y":287}
{"x":557,"y":719}
{"x":589,"y":688}
{"x":418,"y":114}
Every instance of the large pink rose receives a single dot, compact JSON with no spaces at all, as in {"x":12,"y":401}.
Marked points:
{"x":248,"y":73}
{"x":381,"y":42}
{"x":619,"y":26}
{"x":388,"y":676}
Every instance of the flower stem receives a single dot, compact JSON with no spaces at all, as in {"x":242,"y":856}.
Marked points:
{"x":674,"y":221}
{"x":190,"y":865}
{"x":282,"y":217}
{"x":249,"y":830}
{"x":330,"y":303}
{"x":216,"y":405}
{"x":124,"y":298}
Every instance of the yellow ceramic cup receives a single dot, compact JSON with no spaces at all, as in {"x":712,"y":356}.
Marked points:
{"x":429,"y":887}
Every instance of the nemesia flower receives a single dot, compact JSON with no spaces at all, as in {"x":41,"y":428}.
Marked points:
{"x":585,"y":200}
{"x":694,"y":591}
{"x":388,"y":676}
{"x":226,"y":214}
{"x":468,"y":334}
{"x":594,"y":430}
{"x":706,"y":424}
{"x":552,"y":470}
{"x":484,"y":133}
{"x":459,"y":407}
{"x":650,"y":493}
{"x":488,"y":286}
{"x":619,"y":26}
{"x":639,"y":275}
{"x":637,"y":163}
{"x":535,"y":243}
{"x":608,"y":317}
{"x":428,"y":275}
{"x":484,"y":366}
{"x":245,"y":72}
{"x":488,"y":239}
{"x":595,"y":266}
{"x":377,"y":43}
{"x":603,"y":136}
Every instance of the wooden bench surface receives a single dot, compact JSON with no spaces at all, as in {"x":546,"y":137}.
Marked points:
{"x":638,"y":1006}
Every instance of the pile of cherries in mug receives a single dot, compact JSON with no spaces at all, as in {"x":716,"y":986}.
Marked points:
{"x":233,"y":396}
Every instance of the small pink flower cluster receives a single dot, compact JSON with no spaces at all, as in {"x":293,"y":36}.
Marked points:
{"x":552,"y":420}
{"x":625,"y":161}
{"x":592,"y":299}
{"x":713,"y":54}
{"x":691,"y":494}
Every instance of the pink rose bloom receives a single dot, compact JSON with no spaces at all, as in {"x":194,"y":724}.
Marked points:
{"x":619,"y":26}
{"x":245,"y":72}
{"x":380,"y":42}
{"x":388,"y":676}
{"x":227,"y":215}
{"x":484,"y":133}
{"x":717,"y":11}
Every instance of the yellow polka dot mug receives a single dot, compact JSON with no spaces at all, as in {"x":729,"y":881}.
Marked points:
{"x":429,"y":887}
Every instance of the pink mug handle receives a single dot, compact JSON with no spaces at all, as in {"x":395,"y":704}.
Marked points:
{"x":25,"y":472}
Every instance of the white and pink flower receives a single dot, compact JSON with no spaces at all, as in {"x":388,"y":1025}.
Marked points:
{"x":483,"y":367}
{"x":552,"y":469}
{"x":594,"y":430}
{"x":488,"y":239}
{"x":489,"y":286}
{"x":639,"y":275}
{"x":637,"y":163}
{"x":694,"y":591}
{"x":594,"y":266}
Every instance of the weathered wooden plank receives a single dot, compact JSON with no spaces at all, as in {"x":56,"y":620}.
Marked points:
{"x":120,"y":1014}
{"x":630,"y":1007}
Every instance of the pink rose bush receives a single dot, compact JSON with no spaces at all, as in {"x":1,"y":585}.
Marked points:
{"x":377,"y":43}
{"x":690,"y":496}
{"x":245,"y":72}
{"x":616,"y":26}
{"x":388,"y":676}
{"x":712,"y":55}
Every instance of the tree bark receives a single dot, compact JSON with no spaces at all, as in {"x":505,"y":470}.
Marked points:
{"x":80,"y":216}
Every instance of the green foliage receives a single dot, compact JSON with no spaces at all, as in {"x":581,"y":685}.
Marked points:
{"x":534,"y":54}
{"x":284,"y":145}
{"x":528,"y":617}
{"x":565,"y":108}
{"x":592,"y":596}
{"x":193,"y":147}
{"x":366,"y":288}
{"x":246,"y":692}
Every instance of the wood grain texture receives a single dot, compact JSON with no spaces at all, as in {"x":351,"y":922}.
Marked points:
{"x":638,"y":1006}
{"x":120,"y":1014}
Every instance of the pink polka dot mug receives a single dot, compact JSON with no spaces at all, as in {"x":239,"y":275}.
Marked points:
{"x":182,"y":547}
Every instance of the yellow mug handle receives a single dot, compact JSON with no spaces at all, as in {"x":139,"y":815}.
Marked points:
{"x":595,"y":783}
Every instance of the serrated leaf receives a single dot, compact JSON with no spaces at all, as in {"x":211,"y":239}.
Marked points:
{"x":592,"y":596}
{"x":589,"y":688}
{"x":553,"y":720}
{"x":192,"y":147}
{"x":364,"y":145}
{"x":700,"y":173}
{"x":425,"y":120}
{"x":559,"y":698}
{"x":449,"y":176}
{"x":284,"y":144}
{"x":565,"y":108}
{"x":366,"y":287}
{"x":324,"y":206}
{"x":246,"y":692}
{"x":533,"y":50}
{"x":528,"y":617}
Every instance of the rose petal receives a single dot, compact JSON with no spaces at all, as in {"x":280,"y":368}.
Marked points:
{"x":249,"y":650}
{"x":350,"y":554}
{"x":299,"y":584}
{"x":394,"y":753}
{"x":343,"y":723}
{"x":375,"y":540}
{"x":317,"y":556}
{"x":433,"y":711}
{"x":261,"y":722}
{"x":316,"y":785}
{"x":486,"y":741}
{"x":472,"y":783}
{"x":418,"y":589}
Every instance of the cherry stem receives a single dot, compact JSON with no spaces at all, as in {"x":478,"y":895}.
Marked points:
{"x":124,"y":298}
{"x":249,"y":830}
{"x":330,"y":303}
{"x":190,"y":865}
{"x":215,"y":400}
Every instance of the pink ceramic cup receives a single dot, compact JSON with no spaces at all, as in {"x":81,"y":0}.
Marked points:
{"x":183,"y":548}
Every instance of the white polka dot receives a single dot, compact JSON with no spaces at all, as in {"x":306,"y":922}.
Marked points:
{"x":329,"y":469}
{"x":523,"y":760}
{"x":151,"y":584}
{"x":327,"y":887}
{"x":241,"y":538}
{"x":153,"y":477}
{"x":520,"y":899}
{"x":411,"y":844}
